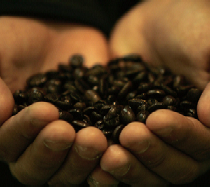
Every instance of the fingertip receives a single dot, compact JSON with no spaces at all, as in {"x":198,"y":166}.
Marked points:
{"x":133,"y":133}
{"x":6,"y":101}
{"x":92,"y":137}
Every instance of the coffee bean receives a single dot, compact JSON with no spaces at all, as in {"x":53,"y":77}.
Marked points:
{"x":66,"y":116}
{"x":142,"y":116}
{"x":76,"y":61}
{"x":109,"y":97}
{"x":37,"y":80}
{"x":116,"y":133}
{"x":127,"y":115}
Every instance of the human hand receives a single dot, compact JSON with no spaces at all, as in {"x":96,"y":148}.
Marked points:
{"x":171,"y":33}
{"x":164,"y":33}
{"x":39,"y":147}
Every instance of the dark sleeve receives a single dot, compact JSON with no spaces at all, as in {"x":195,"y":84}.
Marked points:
{"x":97,"y":13}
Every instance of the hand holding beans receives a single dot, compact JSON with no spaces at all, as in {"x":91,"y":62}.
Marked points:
{"x":37,"y":145}
{"x":171,"y":147}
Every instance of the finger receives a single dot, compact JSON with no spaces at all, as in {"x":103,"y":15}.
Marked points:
{"x":6,"y":102}
{"x":77,"y":40}
{"x":101,"y":178}
{"x":203,"y":107}
{"x":89,"y":145}
{"x":23,"y":128}
{"x":45,"y":155}
{"x":125,"y":167}
{"x":185,"y":133}
{"x":167,"y":162}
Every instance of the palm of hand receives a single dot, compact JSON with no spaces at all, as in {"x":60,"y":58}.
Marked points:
{"x":30,"y":46}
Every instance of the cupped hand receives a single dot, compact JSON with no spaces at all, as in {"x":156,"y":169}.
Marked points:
{"x":170,"y":148}
{"x":170,"y":33}
{"x":39,"y":147}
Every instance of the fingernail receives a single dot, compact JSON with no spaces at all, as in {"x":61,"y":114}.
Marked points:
{"x":57,"y":145}
{"x":121,"y":171}
{"x":93,"y":183}
{"x":87,"y":153}
{"x":164,"y":132}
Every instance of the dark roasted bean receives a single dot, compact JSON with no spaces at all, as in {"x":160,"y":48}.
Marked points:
{"x":37,"y":80}
{"x":193,"y":95}
{"x":86,"y":119}
{"x":89,"y":110}
{"x":144,"y":87}
{"x":80,"y":105}
{"x":135,"y":102}
{"x":116,"y":133}
{"x":92,"y":96}
{"x":155,"y":106}
{"x":78,"y":124}
{"x":53,"y":86}
{"x":66,"y":116}
{"x":127,"y":115}
{"x":35,"y":95}
{"x":169,"y":100}
{"x":156,"y":93}
{"x":76,"y":61}
{"x":76,"y":113}
{"x":19,"y":96}
{"x":142,"y":116}
{"x":109,"y":97}
{"x":64,"y":102}
{"x":99,"y":124}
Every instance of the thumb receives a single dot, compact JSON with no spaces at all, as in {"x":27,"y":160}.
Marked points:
{"x":127,"y":36}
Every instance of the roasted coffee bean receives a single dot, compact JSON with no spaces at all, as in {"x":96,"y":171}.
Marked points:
{"x":77,"y":124}
{"x":109,"y":97}
{"x":169,"y":100}
{"x":76,"y":61}
{"x":64,"y":102}
{"x":156,"y":93}
{"x":140,"y":77}
{"x":135,"y":102}
{"x":112,"y":118}
{"x":80,"y":105}
{"x":35,"y":95}
{"x":155,"y":106}
{"x":116,"y":133}
{"x":193,"y":95}
{"x":19,"y":96}
{"x":37,"y":80}
{"x":144,"y":87}
{"x":86,"y":119}
{"x":142,"y":116}
{"x":53,"y":86}
{"x":95,"y":116}
{"x":52,"y":98}
{"x":127,"y":115}
{"x":99,"y":124}
{"x":76,"y":113}
{"x":66,"y":116}
{"x":89,"y":110}
{"x":92,"y":96}
{"x":81,"y":85}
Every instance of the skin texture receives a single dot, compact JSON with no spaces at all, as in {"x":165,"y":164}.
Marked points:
{"x":170,"y":148}
{"x":41,"y":148}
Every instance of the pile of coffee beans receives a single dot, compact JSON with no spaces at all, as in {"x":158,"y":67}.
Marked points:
{"x":109,"y":97}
